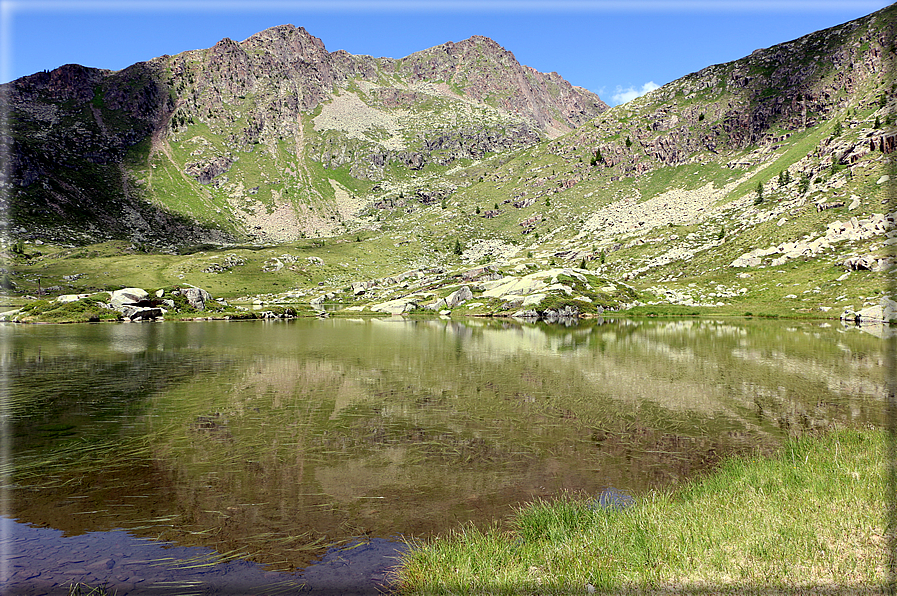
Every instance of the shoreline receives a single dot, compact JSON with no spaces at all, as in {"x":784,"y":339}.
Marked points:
{"x":811,"y":517}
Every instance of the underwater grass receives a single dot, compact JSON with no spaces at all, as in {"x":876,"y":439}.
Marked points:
{"x":810,"y":518}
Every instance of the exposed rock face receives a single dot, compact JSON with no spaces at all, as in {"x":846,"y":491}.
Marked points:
{"x":78,"y":132}
{"x":516,"y":88}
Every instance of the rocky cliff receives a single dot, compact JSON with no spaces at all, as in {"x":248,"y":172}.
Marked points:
{"x":273,"y":137}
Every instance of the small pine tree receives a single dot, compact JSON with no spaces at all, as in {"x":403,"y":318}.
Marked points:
{"x":782,"y":178}
{"x":877,"y":123}
{"x":457,"y":249}
{"x":601,"y":257}
{"x":701,"y":117}
{"x":582,"y":265}
{"x":628,"y":142}
{"x":759,"y":198}
{"x":787,"y":177}
{"x":836,"y":132}
{"x":478,"y":209}
{"x":804,"y":184}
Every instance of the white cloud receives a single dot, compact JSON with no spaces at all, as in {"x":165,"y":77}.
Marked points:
{"x":624,"y":95}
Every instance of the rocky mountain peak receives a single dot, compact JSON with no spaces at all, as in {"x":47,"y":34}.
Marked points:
{"x":280,"y":110}
{"x":287,"y":42}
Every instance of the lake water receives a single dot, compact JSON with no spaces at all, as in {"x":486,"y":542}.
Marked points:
{"x":261,"y":444}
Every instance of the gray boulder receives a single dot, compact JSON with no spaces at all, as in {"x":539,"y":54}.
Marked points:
{"x":459,"y":296}
{"x":197,"y":297}
{"x":127,"y":296}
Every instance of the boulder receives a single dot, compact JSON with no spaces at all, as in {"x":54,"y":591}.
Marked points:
{"x":438,"y":305}
{"x":127,"y":296}
{"x":70,"y":298}
{"x":459,"y":296}
{"x":858,"y":263}
{"x":884,"y":312}
{"x":746,"y":260}
{"x":140,"y":313}
{"x":850,"y":315}
{"x":564,"y":312}
{"x":395,"y":307}
{"x":197,"y":297}
{"x":611,"y":498}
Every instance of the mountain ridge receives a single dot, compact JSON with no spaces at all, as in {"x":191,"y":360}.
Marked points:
{"x":772,"y":168}
{"x":270,"y":83}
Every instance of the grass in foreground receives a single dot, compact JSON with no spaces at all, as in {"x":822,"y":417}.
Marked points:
{"x":812,"y":518}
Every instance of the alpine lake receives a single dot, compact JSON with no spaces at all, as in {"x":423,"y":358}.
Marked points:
{"x":274,"y":441}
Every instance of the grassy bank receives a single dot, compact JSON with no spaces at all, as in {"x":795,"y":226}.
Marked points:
{"x":810,"y":519}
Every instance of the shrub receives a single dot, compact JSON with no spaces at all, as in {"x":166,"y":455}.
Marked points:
{"x":836,"y":132}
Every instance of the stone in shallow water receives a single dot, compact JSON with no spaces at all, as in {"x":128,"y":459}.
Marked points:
{"x":612,"y":498}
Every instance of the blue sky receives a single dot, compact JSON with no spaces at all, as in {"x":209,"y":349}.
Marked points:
{"x":616,"y":48}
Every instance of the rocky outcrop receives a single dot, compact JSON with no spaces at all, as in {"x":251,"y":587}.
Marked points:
{"x":398,"y":306}
{"x":837,"y":231}
{"x":884,"y":312}
{"x":127,"y":296}
{"x":196,"y":297}
{"x":487,"y":72}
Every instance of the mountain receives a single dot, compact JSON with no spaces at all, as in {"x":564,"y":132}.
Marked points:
{"x":456,"y":179}
{"x":272,"y":138}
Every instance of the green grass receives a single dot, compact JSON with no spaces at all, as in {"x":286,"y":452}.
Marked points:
{"x":809,"y":518}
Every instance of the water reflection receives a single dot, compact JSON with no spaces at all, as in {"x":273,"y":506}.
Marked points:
{"x":270,"y":440}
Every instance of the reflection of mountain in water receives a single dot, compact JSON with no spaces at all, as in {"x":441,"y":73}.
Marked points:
{"x":273,"y":440}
